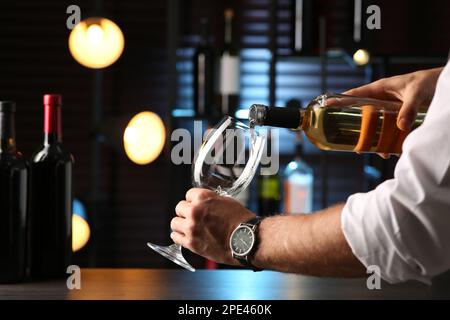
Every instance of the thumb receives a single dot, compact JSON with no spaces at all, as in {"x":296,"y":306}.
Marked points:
{"x":408,"y":112}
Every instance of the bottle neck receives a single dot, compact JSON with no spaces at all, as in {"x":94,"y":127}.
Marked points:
{"x":204,"y":39}
{"x":52,"y":124}
{"x":290,"y":118}
{"x":204,"y":34}
{"x":228,"y":31}
{"x":7,"y":131}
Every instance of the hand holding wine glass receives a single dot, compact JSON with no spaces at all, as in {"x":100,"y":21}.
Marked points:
{"x":225,"y":164}
{"x":204,"y":223}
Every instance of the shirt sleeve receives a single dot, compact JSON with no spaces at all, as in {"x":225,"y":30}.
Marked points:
{"x":403,"y":226}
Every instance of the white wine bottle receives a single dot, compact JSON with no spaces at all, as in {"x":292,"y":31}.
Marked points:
{"x":229,"y":69}
{"x":341,"y":123}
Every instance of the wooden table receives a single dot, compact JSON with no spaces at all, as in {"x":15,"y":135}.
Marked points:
{"x":145,"y":284}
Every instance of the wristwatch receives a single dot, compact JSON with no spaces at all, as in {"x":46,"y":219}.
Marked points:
{"x":243,"y":241}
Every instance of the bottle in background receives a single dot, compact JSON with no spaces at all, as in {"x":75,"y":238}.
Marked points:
{"x":51,"y":198}
{"x":13,"y":199}
{"x":341,"y":123}
{"x":298,"y":182}
{"x":269,"y":189}
{"x":203,"y":73}
{"x":304,"y":20}
{"x":229,"y":69}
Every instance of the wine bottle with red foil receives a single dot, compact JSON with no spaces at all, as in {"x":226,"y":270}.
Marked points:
{"x":13,"y":200}
{"x":51,"y":198}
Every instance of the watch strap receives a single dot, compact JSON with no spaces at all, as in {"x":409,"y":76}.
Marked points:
{"x":254,"y":221}
{"x":248,"y":264}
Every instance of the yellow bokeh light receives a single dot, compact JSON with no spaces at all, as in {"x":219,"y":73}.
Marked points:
{"x":80,"y":232}
{"x":96,"y":43}
{"x":361,"y":57}
{"x":95,"y":34}
{"x":144,"y":137}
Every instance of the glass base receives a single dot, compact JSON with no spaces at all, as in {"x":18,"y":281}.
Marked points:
{"x":173,"y":253}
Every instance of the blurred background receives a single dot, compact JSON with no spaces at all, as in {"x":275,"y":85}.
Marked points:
{"x":288,"y":50}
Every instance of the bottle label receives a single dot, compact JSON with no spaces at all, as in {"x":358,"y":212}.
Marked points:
{"x":229,"y":74}
{"x":298,"y":195}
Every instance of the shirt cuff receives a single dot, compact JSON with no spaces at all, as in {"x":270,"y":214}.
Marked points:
{"x":373,"y":243}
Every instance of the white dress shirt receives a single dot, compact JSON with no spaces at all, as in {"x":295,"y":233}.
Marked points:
{"x":403,"y":226}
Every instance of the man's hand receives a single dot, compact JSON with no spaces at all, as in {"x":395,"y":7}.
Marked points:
{"x":204,"y":224}
{"x":415,"y":90}
{"x":310,"y":244}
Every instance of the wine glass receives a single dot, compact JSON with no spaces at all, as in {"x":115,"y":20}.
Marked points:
{"x":225,"y":163}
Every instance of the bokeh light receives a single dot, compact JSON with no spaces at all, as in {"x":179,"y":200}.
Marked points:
{"x":361,"y":57}
{"x":144,"y":137}
{"x":81,"y":231}
{"x":96,"y":43}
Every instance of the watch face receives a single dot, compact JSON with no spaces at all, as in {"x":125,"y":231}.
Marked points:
{"x":242,"y":240}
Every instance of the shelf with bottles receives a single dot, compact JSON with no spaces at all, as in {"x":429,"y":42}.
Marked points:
{"x":207,"y":65}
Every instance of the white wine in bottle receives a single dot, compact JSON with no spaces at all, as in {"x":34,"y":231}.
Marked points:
{"x":341,"y":123}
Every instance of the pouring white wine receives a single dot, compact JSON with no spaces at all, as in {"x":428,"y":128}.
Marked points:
{"x":341,"y":123}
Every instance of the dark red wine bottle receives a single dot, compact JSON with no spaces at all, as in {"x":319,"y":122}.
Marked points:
{"x":13,"y":200}
{"x":51,"y":199}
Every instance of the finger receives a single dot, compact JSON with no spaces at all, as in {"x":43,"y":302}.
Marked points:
{"x":408,"y":112}
{"x":198,"y":194}
{"x":178,"y":225}
{"x":183,"y":209}
{"x":380,"y":89}
{"x":373,"y":89}
{"x":384,"y":155}
{"x":191,"y":194}
{"x":354,"y":92}
{"x":178,"y":238}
